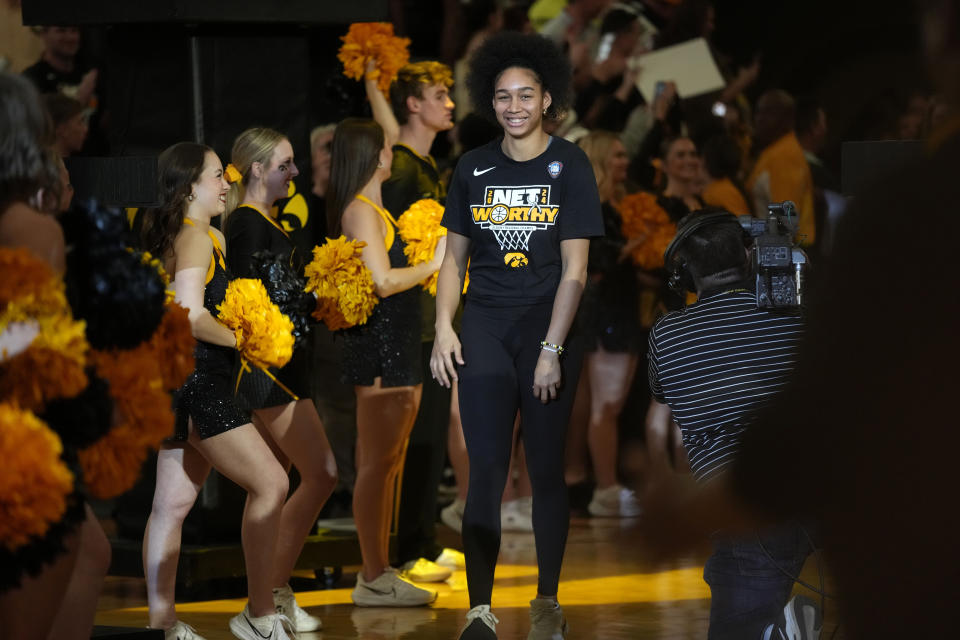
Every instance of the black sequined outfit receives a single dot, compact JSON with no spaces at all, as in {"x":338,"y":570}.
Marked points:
{"x":608,"y":315}
{"x":247,"y":232}
{"x":388,"y":345}
{"x":207,"y":395}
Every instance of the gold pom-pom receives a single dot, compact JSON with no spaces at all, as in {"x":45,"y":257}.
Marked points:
{"x":142,"y":414}
{"x":30,"y":282}
{"x":342,"y":283}
{"x":366,"y":40}
{"x":52,"y":367}
{"x":643,"y":217}
{"x":264,"y":333}
{"x":34,"y":481}
{"x":420,"y":230}
{"x":173,"y":344}
{"x":112,"y":464}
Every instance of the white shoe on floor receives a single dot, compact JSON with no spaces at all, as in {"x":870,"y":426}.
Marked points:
{"x":452,"y":515}
{"x":423,"y":570}
{"x":517,"y":515}
{"x":614,"y":502}
{"x":274,"y":626}
{"x":181,"y":631}
{"x":286,"y":603}
{"x":390,"y":590}
{"x":481,"y":623}
{"x":452,"y":559}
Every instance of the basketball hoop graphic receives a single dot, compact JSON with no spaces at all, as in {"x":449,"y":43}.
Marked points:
{"x":512,"y":214}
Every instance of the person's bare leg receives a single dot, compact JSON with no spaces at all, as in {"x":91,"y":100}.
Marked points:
{"x":25,"y":611}
{"x":243,"y":457}
{"x":610,"y":375}
{"x":74,"y":617}
{"x":384,"y":420}
{"x":298,"y":432}
{"x":575,"y":464}
{"x":181,"y":472}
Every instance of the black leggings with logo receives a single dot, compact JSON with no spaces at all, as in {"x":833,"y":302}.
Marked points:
{"x":501,"y":346}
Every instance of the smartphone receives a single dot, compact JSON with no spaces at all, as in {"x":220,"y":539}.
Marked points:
{"x":658,"y":89}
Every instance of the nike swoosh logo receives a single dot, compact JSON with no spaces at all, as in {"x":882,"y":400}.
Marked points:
{"x":477,"y":172}
{"x":255,"y":630}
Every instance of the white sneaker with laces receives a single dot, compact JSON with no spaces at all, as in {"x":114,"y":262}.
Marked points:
{"x":517,"y":515}
{"x":181,"y":631}
{"x":390,"y":590}
{"x":451,"y":559}
{"x":614,"y":502}
{"x":423,"y":570}
{"x":274,"y":626}
{"x":452,"y":515}
{"x":286,"y":603}
{"x":484,"y":615}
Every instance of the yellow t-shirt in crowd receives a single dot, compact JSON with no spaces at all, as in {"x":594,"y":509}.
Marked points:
{"x":782,"y":173}
{"x":722,"y":193}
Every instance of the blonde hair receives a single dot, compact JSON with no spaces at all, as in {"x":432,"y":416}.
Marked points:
{"x":317,"y":132}
{"x":253,"y":145}
{"x":598,"y":146}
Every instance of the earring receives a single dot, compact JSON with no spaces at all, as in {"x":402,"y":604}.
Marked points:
{"x":380,"y":164}
{"x":191,"y":197}
{"x":544,"y":112}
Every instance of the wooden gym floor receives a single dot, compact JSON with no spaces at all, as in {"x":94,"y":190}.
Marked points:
{"x":611,"y":589}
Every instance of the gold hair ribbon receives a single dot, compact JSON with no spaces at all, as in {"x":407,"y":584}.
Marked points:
{"x":245,"y":368}
{"x":232,"y":174}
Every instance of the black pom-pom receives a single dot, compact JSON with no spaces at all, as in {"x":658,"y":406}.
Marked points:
{"x":83,"y":419}
{"x":120,"y":298}
{"x":286,"y":289}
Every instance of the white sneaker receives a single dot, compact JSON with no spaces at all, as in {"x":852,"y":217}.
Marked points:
{"x":275,"y":626}
{"x":614,"y":502}
{"x":474,"y":629}
{"x":452,"y":559}
{"x":423,"y":570}
{"x":286,"y":603}
{"x":390,"y":590}
{"x":517,"y":515}
{"x":181,"y":631}
{"x":547,"y":621}
{"x":452,"y":515}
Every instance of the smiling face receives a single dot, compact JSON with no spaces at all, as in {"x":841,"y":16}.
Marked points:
{"x":519,"y":102}
{"x":681,"y":162}
{"x":616,"y":163}
{"x":210,"y":189}
{"x":435,"y":107}
{"x":276,"y":176}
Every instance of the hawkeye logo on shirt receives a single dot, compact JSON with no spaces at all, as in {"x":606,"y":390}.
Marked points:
{"x":513,"y":214}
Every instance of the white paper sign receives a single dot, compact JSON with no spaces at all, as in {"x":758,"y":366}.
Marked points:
{"x":689,"y":64}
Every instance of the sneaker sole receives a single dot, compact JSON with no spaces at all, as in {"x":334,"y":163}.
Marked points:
{"x":598,"y":511}
{"x":385,"y":600}
{"x":796,"y":616}
{"x":432,"y":577}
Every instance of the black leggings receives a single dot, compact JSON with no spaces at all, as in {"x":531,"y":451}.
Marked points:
{"x":501,"y":346}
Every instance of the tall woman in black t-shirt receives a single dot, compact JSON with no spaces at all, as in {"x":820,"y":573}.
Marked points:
{"x":382,"y":356}
{"x":260,"y":172}
{"x":522,"y":210}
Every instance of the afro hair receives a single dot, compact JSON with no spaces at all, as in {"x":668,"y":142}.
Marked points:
{"x":511,"y":49}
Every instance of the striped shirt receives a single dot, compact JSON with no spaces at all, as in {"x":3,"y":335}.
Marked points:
{"x":715,"y":364}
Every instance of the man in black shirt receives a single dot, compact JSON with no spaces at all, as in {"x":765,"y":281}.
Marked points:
{"x":420,"y":108}
{"x":715,"y":364}
{"x":58,"y":70}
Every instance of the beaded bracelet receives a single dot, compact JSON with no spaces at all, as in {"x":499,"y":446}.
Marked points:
{"x":549,"y":346}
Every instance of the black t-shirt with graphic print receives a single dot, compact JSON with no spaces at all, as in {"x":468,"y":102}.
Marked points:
{"x":516,"y":214}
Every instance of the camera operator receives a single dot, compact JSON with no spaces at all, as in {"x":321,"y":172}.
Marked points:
{"x":712,"y":365}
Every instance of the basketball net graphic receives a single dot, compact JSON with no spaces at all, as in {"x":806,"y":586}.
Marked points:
{"x":510,"y":235}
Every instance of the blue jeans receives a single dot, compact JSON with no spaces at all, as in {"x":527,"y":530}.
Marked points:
{"x":749,"y":585}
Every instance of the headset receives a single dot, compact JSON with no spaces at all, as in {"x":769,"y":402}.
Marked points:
{"x":680,"y":278}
